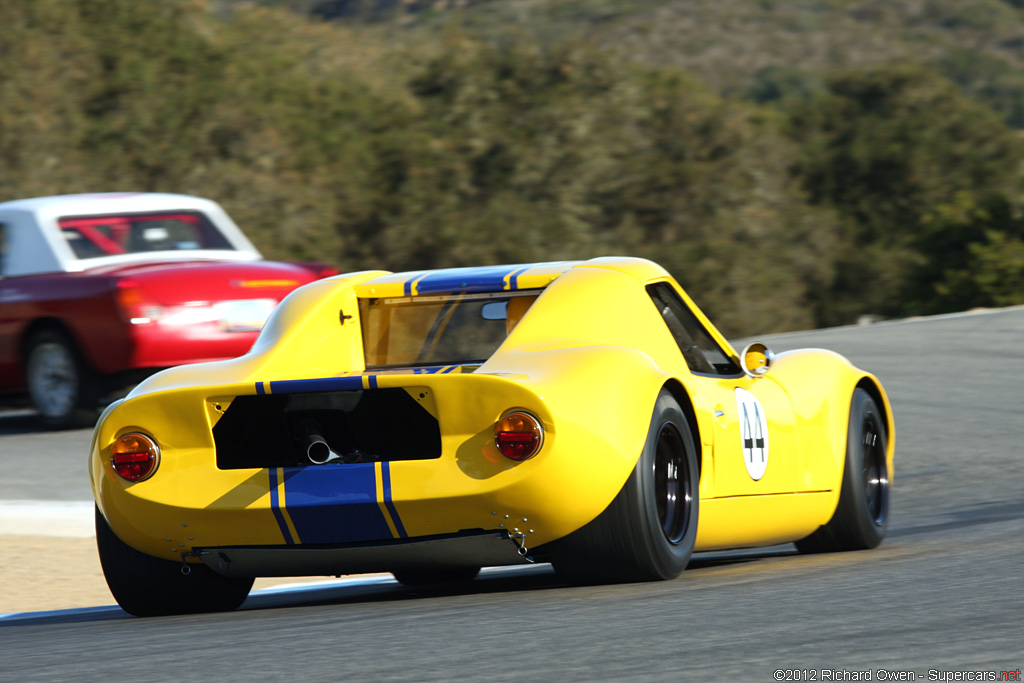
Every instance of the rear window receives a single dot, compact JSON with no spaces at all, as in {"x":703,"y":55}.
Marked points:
{"x":450,"y":329}
{"x":96,"y":236}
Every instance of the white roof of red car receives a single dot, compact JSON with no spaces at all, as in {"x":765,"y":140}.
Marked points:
{"x":34,"y":244}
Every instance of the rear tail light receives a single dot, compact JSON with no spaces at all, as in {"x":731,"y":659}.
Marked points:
{"x":518,"y":435}
{"x":135,"y":456}
{"x":130,"y":302}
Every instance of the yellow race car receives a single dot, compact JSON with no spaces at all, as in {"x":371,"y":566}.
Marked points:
{"x":585,"y":414}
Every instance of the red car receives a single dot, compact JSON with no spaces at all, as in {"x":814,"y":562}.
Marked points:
{"x":100,"y":290}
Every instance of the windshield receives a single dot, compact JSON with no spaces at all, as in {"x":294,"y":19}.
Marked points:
{"x":450,"y":329}
{"x":95,"y":236}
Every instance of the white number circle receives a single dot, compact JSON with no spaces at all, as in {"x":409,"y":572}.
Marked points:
{"x":753,"y":433}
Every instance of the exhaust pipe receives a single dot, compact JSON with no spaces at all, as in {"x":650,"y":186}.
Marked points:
{"x":318,"y":452}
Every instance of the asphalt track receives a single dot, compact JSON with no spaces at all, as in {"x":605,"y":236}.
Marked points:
{"x":941,"y":599}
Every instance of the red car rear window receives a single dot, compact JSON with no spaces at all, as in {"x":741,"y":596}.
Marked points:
{"x":95,"y":236}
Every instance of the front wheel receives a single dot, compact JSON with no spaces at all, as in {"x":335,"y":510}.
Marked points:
{"x":147,"y":586}
{"x":648,"y":531}
{"x":862,"y":515}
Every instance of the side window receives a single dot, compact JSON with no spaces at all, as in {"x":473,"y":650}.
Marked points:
{"x":700,"y":350}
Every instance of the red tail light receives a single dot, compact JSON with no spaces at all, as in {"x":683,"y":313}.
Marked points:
{"x":129,"y":300}
{"x":518,"y":435}
{"x":135,"y":457}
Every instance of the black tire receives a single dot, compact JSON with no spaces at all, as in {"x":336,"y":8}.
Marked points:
{"x":63,"y":388}
{"x":862,"y":514}
{"x":648,"y":531}
{"x":435,"y":576}
{"x":147,"y":586}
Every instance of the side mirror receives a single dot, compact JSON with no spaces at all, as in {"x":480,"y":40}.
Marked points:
{"x":756,"y":359}
{"x":494,"y":310}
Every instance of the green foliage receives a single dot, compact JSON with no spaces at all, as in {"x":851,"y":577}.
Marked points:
{"x":537,"y":153}
{"x":530,"y":130}
{"x":988,"y":78}
{"x":977,"y":15}
{"x":994,"y":273}
{"x":46,"y":69}
{"x":918,"y":172}
{"x":782,"y":83}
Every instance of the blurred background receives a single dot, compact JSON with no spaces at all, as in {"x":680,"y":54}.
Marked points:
{"x":795,"y":164}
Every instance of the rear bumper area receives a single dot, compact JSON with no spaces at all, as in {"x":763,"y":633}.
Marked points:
{"x":415,"y":459}
{"x":484,"y":548}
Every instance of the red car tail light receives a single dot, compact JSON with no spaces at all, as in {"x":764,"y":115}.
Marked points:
{"x":135,"y":456}
{"x":518,"y":435}
{"x":130,"y":302}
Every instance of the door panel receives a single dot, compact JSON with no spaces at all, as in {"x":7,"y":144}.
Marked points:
{"x":755,"y":446}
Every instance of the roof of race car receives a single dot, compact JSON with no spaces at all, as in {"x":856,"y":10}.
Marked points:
{"x":508,"y":278}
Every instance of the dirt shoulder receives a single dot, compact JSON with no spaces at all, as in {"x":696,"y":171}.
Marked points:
{"x":45,"y":573}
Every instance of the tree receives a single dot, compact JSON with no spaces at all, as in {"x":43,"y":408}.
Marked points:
{"x":894,"y":150}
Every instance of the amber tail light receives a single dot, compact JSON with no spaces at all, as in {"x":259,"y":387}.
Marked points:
{"x":135,"y":457}
{"x":518,"y":435}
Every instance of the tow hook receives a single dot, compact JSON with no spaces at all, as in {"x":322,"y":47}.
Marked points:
{"x":519,"y":538}
{"x":185,"y":568}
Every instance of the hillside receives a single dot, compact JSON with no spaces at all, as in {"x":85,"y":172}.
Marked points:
{"x":794,"y":164}
{"x":742,"y":47}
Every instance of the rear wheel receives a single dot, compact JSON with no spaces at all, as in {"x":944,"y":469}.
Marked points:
{"x":862,"y":515}
{"x":435,"y":576}
{"x":648,"y":531}
{"x":147,"y":586}
{"x":63,"y":389}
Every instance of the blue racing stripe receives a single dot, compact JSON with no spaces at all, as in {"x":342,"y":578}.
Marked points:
{"x":513,"y":278}
{"x":385,"y":480}
{"x":260,"y":391}
{"x":486,"y":279}
{"x":293,"y":386}
{"x":335,"y":503}
{"x":275,"y":505}
{"x":412,"y":283}
{"x":373,"y":381}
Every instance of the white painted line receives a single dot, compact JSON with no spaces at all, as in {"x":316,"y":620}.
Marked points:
{"x":67,"y":519}
{"x":77,"y":611}
{"x":291,"y":588}
{"x":359,"y":580}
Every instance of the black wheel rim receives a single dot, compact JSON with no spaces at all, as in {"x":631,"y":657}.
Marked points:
{"x":876,"y":474}
{"x":672,"y":484}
